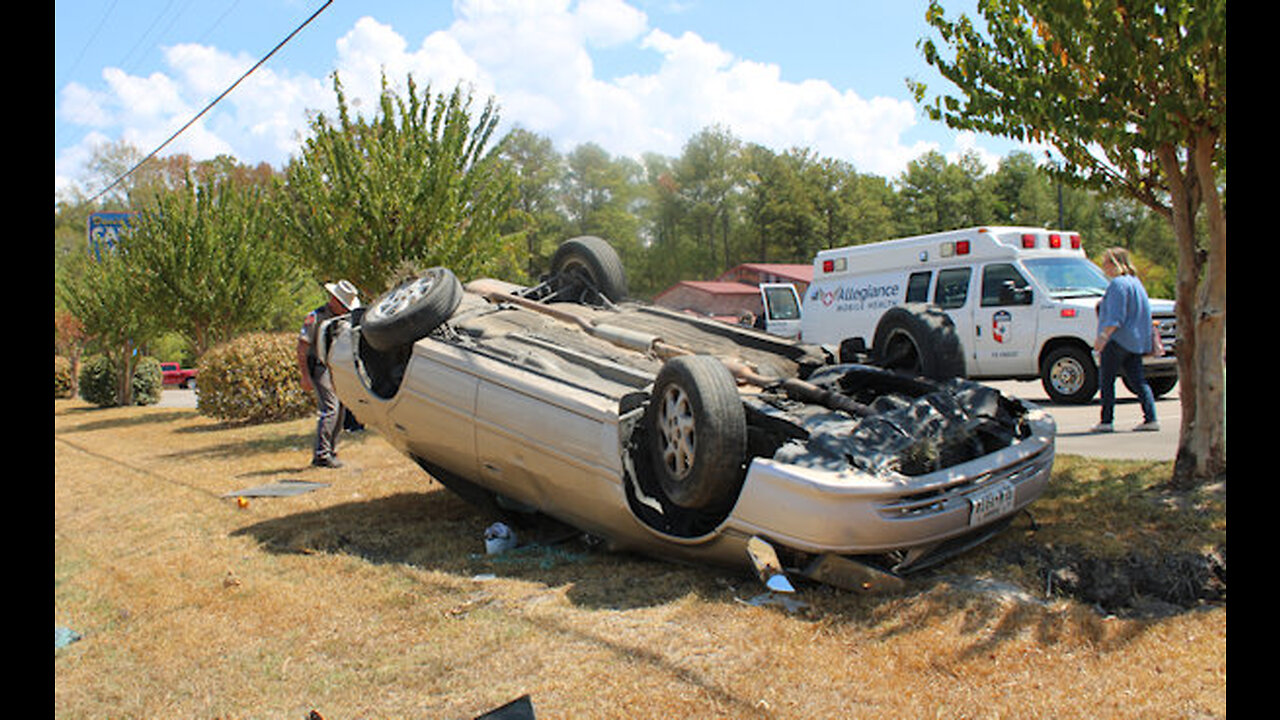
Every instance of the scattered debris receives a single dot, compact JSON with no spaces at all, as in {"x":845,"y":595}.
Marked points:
{"x":543,"y":556}
{"x":499,"y":538}
{"x":772,"y":599}
{"x":63,"y":637}
{"x":284,"y":488}
{"x":767,"y":565}
{"x":519,"y":709}
{"x":847,"y":574}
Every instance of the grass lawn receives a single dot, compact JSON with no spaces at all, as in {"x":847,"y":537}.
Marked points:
{"x":372,"y":597}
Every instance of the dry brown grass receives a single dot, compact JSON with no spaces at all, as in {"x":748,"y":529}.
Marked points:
{"x":372,"y":598}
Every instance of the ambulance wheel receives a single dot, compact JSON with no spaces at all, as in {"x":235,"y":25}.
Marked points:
{"x":920,"y":340}
{"x":698,"y":431}
{"x":1069,"y":375}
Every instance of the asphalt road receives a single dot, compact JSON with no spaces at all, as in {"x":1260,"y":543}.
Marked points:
{"x":1073,"y":421}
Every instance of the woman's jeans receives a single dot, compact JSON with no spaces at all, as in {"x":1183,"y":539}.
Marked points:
{"x":1116,"y":359}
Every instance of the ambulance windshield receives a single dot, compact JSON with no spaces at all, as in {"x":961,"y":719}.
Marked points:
{"x":1068,"y":277}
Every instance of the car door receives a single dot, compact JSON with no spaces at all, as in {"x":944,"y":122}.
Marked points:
{"x":1004,"y":322}
{"x":952,"y":294}
{"x":781,"y":309}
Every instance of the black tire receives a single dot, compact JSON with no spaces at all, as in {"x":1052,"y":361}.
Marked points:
{"x":589,"y":263}
{"x":1160,"y":386}
{"x":406,"y":313}
{"x":697,"y":432}
{"x":1069,"y":375}
{"x":918,"y":339}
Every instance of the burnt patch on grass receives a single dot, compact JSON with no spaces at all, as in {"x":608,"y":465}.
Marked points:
{"x":1130,"y":585}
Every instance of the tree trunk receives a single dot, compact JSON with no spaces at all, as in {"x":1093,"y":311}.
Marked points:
{"x":1201,"y":314}
{"x":1210,"y":440}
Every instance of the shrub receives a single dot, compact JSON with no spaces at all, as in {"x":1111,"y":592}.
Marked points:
{"x":98,"y":381}
{"x":253,"y":379}
{"x":148,"y":382}
{"x":61,"y":377}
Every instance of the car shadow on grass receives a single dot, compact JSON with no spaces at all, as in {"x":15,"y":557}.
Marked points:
{"x":437,"y":531}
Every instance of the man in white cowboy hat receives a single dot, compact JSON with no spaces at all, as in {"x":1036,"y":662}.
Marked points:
{"x":343,"y":298}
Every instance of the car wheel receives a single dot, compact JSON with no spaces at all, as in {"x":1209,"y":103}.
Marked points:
{"x":698,"y":431}
{"x":588,"y":263}
{"x":406,"y":313}
{"x":1069,"y":375}
{"x":918,"y":339}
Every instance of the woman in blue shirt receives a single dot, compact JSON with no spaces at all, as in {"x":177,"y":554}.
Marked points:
{"x":1124,"y":336}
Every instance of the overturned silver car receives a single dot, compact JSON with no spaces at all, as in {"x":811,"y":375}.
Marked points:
{"x":673,"y":435}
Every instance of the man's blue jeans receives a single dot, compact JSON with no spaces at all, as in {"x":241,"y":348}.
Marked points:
{"x":1114,"y":360}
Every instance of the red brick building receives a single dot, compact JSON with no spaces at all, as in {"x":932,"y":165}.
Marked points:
{"x":735,"y":292}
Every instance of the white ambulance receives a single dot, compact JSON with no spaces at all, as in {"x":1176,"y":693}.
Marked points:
{"x":1022,"y":301}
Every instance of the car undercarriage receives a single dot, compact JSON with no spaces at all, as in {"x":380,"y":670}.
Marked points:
{"x":673,"y":434}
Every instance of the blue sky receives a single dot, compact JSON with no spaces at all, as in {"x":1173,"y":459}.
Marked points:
{"x":632,"y":76}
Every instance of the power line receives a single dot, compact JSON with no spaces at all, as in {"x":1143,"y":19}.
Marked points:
{"x":85,"y":46}
{"x":215,"y":101}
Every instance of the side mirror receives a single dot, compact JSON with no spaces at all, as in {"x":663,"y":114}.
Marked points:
{"x":1011,"y":294}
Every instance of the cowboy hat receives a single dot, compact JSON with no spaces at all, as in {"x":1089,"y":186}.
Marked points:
{"x":345,"y":292}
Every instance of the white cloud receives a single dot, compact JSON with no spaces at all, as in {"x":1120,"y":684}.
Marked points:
{"x":535,"y":58}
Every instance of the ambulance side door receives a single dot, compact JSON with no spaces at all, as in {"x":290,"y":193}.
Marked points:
{"x":952,"y":292}
{"x":1004,"y":322}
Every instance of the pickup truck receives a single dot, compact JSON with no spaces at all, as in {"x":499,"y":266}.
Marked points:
{"x":175,"y":374}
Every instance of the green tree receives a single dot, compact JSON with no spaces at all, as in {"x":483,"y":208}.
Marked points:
{"x":859,"y":205}
{"x":708,"y":176}
{"x":1023,"y":194}
{"x":105,"y":298}
{"x":784,"y":203}
{"x":661,"y":211}
{"x":936,"y":194}
{"x":598,"y":194}
{"x":1132,"y":95}
{"x":209,"y":261}
{"x":416,"y":185}
{"x":538,"y":170}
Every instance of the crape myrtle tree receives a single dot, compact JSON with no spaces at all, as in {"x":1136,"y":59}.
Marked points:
{"x":1132,"y":95}
{"x":208,"y":261}
{"x":104,"y":297}
{"x":413,"y":187}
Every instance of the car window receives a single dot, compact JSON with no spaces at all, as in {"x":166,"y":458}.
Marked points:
{"x":1002,"y":284}
{"x":1068,"y":277}
{"x":782,"y":303}
{"x":953,"y":288}
{"x":918,"y":286}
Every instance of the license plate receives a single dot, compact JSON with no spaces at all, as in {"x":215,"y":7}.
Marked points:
{"x":990,"y":503}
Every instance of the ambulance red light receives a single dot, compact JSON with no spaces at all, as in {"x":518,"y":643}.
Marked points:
{"x":1055,"y":241}
{"x":1075,"y":242}
{"x":962,"y":247}
{"x":1028,"y":241}
{"x":828,"y":266}
{"x":1067,"y":312}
